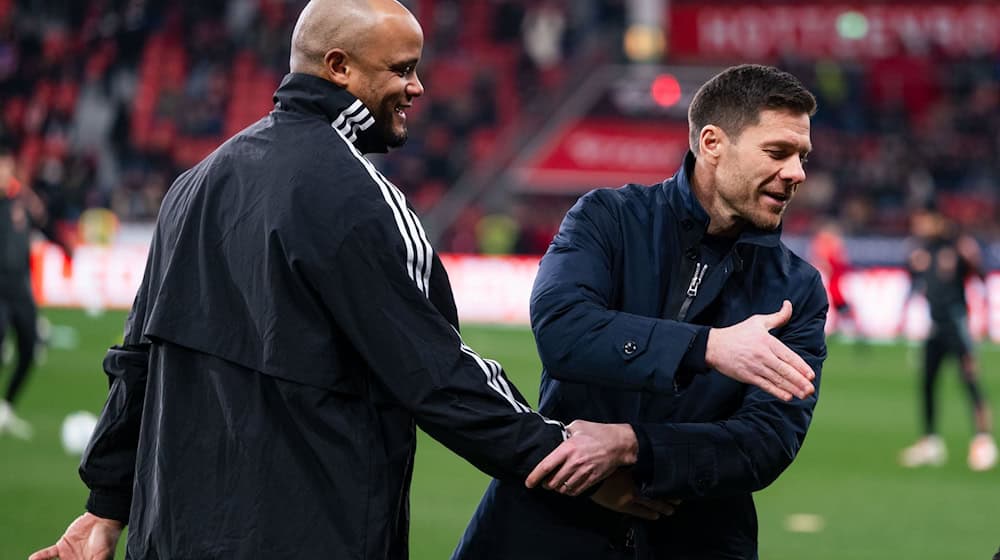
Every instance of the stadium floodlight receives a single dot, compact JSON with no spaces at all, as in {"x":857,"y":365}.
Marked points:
{"x":852,"y":25}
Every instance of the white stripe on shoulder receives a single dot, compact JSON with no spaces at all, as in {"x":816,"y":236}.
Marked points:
{"x":355,"y":128}
{"x":424,"y":250}
{"x":491,"y":379}
{"x":351,"y":110}
{"x":408,"y":230}
{"x":498,"y":382}
{"x":419,"y":255}
{"x":350,"y":126}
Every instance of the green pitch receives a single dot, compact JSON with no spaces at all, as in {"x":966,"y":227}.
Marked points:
{"x":846,"y":476}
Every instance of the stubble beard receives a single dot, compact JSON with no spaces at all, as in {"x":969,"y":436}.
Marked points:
{"x":386,"y":121}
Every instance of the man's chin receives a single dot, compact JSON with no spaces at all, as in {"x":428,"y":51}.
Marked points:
{"x":768,"y":222}
{"x":395,"y":139}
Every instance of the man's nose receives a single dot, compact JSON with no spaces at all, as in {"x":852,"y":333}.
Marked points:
{"x":793,"y":171}
{"x":414,"y":88}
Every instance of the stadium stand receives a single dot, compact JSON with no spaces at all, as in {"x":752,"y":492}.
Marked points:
{"x":107,"y":100}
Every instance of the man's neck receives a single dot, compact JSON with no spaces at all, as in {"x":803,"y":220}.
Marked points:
{"x":703,"y":187}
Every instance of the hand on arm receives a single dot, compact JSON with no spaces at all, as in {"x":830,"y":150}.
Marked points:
{"x":617,"y":493}
{"x":88,"y":538}
{"x":748,"y":353}
{"x":592,"y":452}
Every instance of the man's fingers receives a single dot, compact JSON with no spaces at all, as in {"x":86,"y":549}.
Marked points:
{"x":780,"y":317}
{"x":578,"y":482}
{"x":791,"y":358}
{"x":792,"y":381}
{"x":550,"y":463}
{"x":775,"y":377}
{"x":793,"y":369}
{"x":46,"y":553}
{"x":765,"y":375}
{"x":560,"y":480}
{"x":771,"y":388}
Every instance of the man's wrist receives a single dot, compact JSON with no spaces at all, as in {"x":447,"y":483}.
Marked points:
{"x":111,"y":524}
{"x":711,"y":334}
{"x":628,"y":445}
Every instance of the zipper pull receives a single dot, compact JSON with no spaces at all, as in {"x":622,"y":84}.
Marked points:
{"x":699,"y":273}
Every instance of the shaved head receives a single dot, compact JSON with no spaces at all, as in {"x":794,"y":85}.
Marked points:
{"x":370,"y":48}
{"x":348,"y":25}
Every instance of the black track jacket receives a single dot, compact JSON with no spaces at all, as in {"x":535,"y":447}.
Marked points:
{"x":292,"y":326}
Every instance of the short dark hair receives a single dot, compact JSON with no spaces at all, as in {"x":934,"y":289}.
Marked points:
{"x":734,"y":98}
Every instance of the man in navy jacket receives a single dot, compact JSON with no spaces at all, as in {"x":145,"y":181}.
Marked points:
{"x":676,"y":308}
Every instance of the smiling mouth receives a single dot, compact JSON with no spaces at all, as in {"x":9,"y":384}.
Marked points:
{"x":777,"y":199}
{"x":401,"y":110}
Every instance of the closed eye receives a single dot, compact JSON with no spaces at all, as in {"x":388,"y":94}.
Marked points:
{"x":780,"y":154}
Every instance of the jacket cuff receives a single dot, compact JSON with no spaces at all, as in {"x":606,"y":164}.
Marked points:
{"x":694,"y":358}
{"x":642,"y":470}
{"x":693,"y":361}
{"x":109,"y":505}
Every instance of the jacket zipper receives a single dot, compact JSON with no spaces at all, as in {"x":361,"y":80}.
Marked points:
{"x":692,"y":292}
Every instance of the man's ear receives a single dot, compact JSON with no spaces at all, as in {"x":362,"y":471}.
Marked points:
{"x":336,"y":64}
{"x":711,"y":141}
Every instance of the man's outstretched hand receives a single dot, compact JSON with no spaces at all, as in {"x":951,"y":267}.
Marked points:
{"x":750,"y":354}
{"x":592,"y":452}
{"x":88,"y":538}
{"x":617,"y":493}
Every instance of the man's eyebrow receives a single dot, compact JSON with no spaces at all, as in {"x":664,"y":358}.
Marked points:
{"x":787,"y":145}
{"x":405,"y":63}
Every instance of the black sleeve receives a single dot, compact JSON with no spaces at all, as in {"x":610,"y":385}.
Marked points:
{"x":108,"y":463}
{"x":461,"y":399}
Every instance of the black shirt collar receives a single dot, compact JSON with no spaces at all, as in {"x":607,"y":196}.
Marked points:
{"x":310,"y":94}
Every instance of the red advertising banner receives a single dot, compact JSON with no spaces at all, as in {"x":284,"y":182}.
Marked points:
{"x":607,"y":152}
{"x":841,"y":31}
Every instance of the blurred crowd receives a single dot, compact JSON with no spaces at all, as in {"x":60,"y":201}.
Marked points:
{"x":106,"y":101}
{"x":893,"y":135}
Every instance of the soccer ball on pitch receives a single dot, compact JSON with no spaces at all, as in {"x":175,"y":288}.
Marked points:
{"x":76,"y":431}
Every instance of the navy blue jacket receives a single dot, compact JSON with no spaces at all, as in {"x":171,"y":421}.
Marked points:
{"x":614,"y":322}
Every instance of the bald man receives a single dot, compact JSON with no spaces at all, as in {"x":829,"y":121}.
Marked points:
{"x":292,"y":327}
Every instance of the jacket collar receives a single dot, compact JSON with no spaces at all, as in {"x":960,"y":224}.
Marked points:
{"x":687,"y":203}
{"x":313,"y":95}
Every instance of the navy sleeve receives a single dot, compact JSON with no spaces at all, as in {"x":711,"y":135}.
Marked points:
{"x":750,"y":449}
{"x":642,"y":470}
{"x":460,"y":398}
{"x":580,"y":338}
{"x":694,"y":358}
{"x":108,"y":463}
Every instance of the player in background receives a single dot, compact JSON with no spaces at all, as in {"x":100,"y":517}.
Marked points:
{"x":21,"y":210}
{"x":828,"y":254}
{"x":940,"y":266}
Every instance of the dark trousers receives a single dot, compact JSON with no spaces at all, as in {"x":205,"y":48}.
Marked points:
{"x":19,"y":312}
{"x":949,"y":338}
